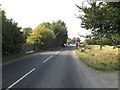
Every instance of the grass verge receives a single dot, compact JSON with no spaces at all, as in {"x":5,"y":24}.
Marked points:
{"x":16,"y":56}
{"x":104,"y":60}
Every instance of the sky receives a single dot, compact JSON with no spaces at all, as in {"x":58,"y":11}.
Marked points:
{"x":30,"y":13}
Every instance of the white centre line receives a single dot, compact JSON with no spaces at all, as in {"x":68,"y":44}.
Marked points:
{"x":57,"y":52}
{"x":20,"y":79}
{"x":47,"y":59}
{"x":30,"y":72}
{"x":51,"y":56}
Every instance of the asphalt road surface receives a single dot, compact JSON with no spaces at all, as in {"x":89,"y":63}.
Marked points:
{"x":51,"y":69}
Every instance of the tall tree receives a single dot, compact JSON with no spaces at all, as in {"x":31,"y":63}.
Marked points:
{"x":42,"y":37}
{"x":102,"y":19}
{"x":11,"y":36}
{"x":60,"y":30}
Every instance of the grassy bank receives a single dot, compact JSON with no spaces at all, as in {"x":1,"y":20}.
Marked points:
{"x":105,"y":60}
{"x":16,"y":56}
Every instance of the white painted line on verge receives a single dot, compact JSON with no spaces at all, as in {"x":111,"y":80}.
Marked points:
{"x":47,"y":59}
{"x":20,"y":79}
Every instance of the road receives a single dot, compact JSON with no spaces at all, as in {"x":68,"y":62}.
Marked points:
{"x":50,"y":69}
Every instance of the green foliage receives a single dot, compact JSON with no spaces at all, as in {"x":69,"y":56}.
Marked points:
{"x":103,"y":20}
{"x":102,"y":42}
{"x":49,"y":35}
{"x":94,"y":41}
{"x":25,"y":32}
{"x":45,"y":36}
{"x":69,"y":41}
{"x":60,"y":30}
{"x":74,"y":39}
{"x":78,"y":39}
{"x":42,"y":37}
{"x":11,"y":36}
{"x":46,"y":25}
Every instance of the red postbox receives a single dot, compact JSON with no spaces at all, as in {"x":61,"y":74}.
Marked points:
{"x":76,"y":44}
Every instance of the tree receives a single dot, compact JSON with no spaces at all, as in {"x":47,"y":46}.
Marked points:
{"x":42,"y":37}
{"x":102,"y":19}
{"x":11,"y":36}
{"x":25,"y":32}
{"x":60,"y":30}
{"x":69,"y":41}
{"x":49,"y":35}
{"x":74,"y":39}
{"x":78,"y":39}
{"x":46,"y":25}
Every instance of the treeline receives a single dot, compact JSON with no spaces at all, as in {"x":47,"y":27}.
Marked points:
{"x":102,"y":18}
{"x":46,"y":35}
{"x":73,"y":40}
{"x":11,"y":36}
{"x":103,"y":41}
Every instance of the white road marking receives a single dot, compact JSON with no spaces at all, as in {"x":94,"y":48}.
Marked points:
{"x":20,"y":79}
{"x":57,"y":52}
{"x":30,"y":72}
{"x":47,"y":59}
{"x":51,"y":56}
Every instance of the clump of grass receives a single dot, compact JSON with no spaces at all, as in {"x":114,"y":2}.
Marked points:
{"x":105,"y":59}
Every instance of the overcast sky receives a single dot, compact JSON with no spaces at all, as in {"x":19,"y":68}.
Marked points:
{"x":30,"y":13}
